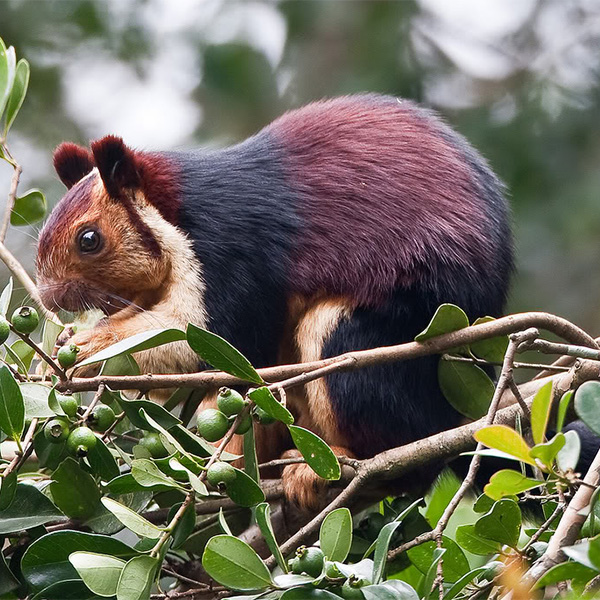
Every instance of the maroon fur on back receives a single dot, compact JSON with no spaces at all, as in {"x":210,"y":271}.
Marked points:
{"x":386,"y":198}
{"x":72,"y":162}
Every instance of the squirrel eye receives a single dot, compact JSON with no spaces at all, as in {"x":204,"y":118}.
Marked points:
{"x":89,"y":240}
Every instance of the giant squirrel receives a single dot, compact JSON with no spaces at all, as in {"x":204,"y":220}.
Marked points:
{"x":340,"y":226}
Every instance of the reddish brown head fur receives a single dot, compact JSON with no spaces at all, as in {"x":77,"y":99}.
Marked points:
{"x":72,"y":163}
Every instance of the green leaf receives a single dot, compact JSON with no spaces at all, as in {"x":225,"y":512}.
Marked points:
{"x":393,"y":589}
{"x":74,"y":491}
{"x":19,"y":91}
{"x":147,"y":474}
{"x":568,"y":456}
{"x":8,"y":582}
{"x":463,"y":582}
{"x":546,"y":453}
{"x":594,"y":552}
{"x":6,"y":295}
{"x":69,"y":589}
{"x":509,"y":483}
{"x":317,"y":454}
{"x":580,"y":553}
{"x":35,"y":400}
{"x":220,"y":354}
{"x":8,"y":490}
{"x":466,"y":387}
{"x":234,"y":564}
{"x":264,"y":398}
{"x":587,"y":404}
{"x":561,"y":412}
{"x":440,"y":495}
{"x":382,"y":543}
{"x":540,"y":412}
{"x":335,"y":536}
{"x":7,"y":74}
{"x":505,"y":439}
{"x":250,"y":457}
{"x":136,"y":523}
{"x":567,"y":571}
{"x":102,"y":461}
{"x":455,"y":561}
{"x":264,"y":523}
{"x":492,"y":349}
{"x":46,"y":561}
{"x":185,"y":525}
{"x":302,"y":593}
{"x":100,"y":572}
{"x":502,"y":523}
{"x":29,"y":208}
{"x":133,"y":408}
{"x":126,"y":484}
{"x":103,"y":521}
{"x":447,"y":318}
{"x":136,"y":578}
{"x":50,"y":334}
{"x":20,"y":354}
{"x":244,"y":491}
{"x":136,"y":343}
{"x":29,"y":508}
{"x":12,"y":409}
{"x":474,"y":543}
{"x":197,"y":484}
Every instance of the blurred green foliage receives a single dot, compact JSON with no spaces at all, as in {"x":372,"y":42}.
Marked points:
{"x":526,"y":93}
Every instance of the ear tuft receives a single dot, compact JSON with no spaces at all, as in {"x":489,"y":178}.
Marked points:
{"x":72,"y":163}
{"x":116,"y":164}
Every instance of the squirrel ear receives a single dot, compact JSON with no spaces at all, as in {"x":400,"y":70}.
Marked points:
{"x":116,"y":164}
{"x":72,"y":162}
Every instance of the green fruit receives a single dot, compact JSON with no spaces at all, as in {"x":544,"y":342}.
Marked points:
{"x":244,"y":425}
{"x":101,"y":417}
{"x":4,"y":330}
{"x":67,"y":355}
{"x":56,"y":431}
{"x":262,"y":416}
{"x":152,"y":442}
{"x":351,"y":592}
{"x":81,"y":441}
{"x":212,"y":424}
{"x":310,"y":560}
{"x":220,"y":473}
{"x":230,"y":402}
{"x":25,"y":319}
{"x":331,"y":571}
{"x":293,"y":566}
{"x":69,"y":404}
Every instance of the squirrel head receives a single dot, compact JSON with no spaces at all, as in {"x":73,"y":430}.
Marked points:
{"x":102,"y":247}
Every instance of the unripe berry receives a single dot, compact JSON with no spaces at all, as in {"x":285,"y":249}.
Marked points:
{"x":25,"y":319}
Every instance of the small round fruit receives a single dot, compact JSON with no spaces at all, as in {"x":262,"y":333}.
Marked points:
{"x":262,"y":416}
{"x":331,"y":571}
{"x":4,"y":330}
{"x":311,"y":561}
{"x":293,"y":566}
{"x":230,"y":402}
{"x":351,"y":592}
{"x":25,"y":319}
{"x":67,"y":355}
{"x":244,"y":425}
{"x":220,"y":473}
{"x":81,"y":441}
{"x":69,"y":404}
{"x":101,"y":417}
{"x":56,"y":431}
{"x":152,"y":442}
{"x":212,"y":424}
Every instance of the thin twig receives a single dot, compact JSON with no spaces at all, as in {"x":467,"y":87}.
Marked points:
{"x":345,"y":362}
{"x":26,"y":450}
{"x":42,"y":353}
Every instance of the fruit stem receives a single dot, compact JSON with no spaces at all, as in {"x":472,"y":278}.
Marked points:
{"x":189,"y":499}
